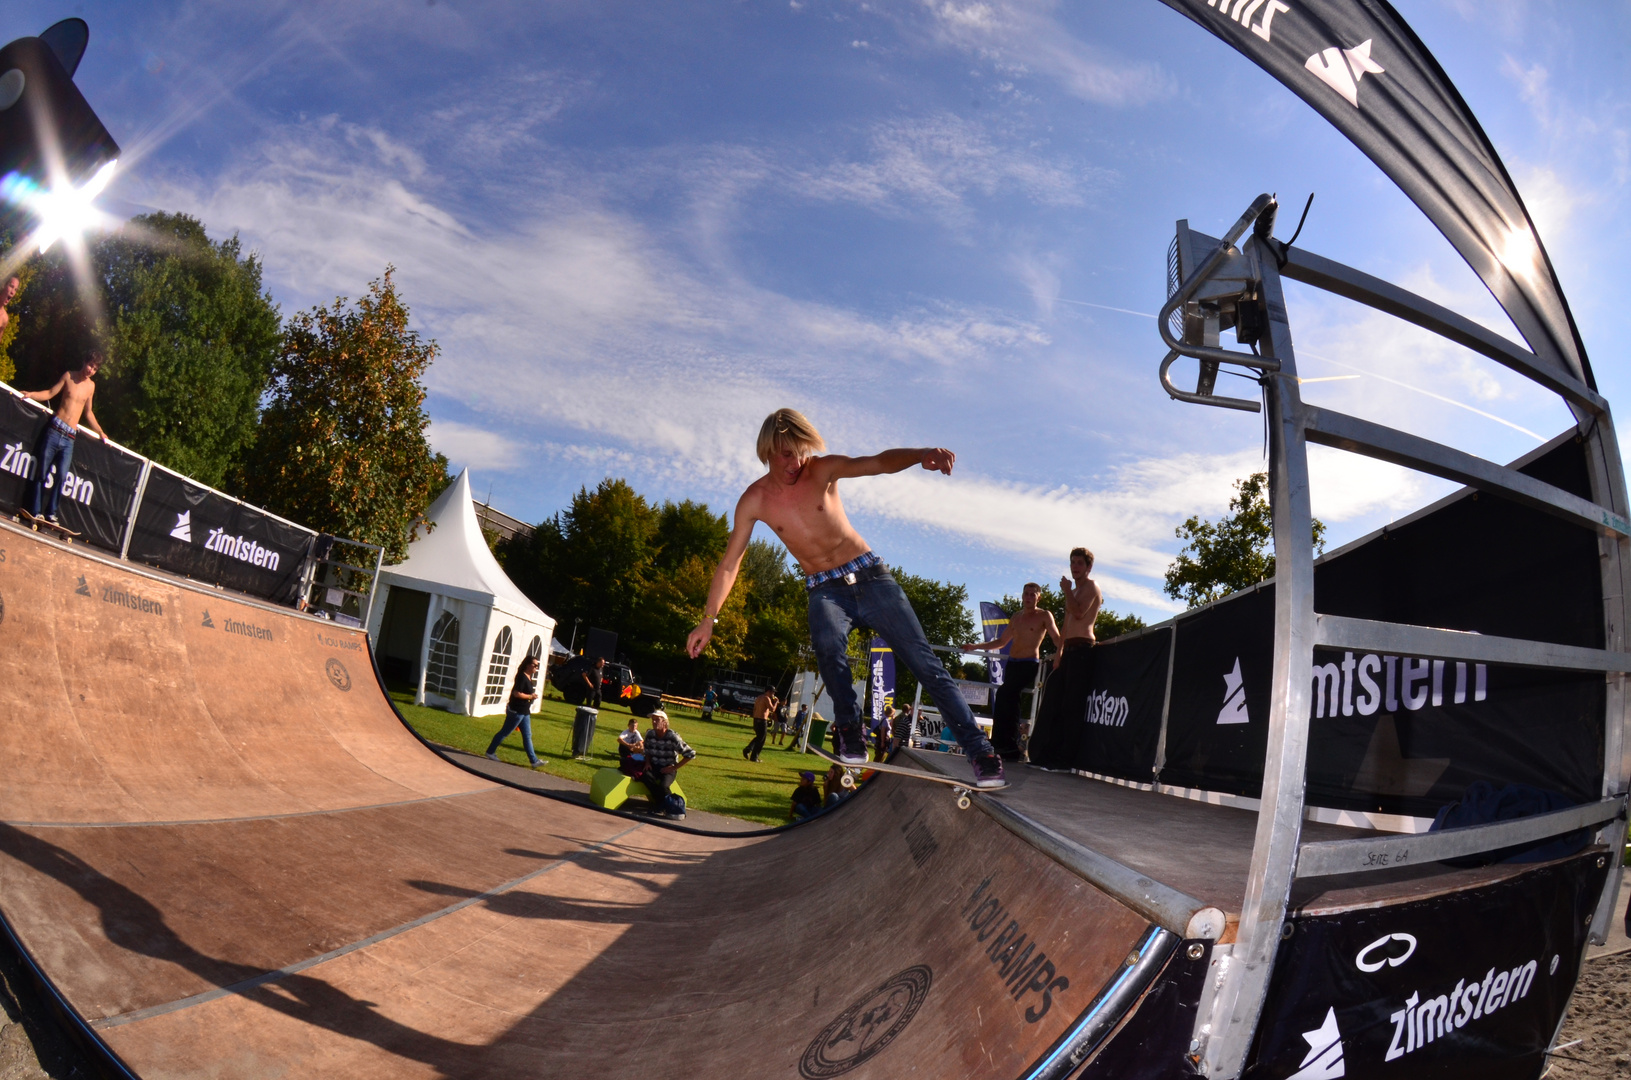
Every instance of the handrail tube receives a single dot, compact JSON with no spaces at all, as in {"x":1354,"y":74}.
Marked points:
{"x":1328,"y":857}
{"x":1345,"y":632}
{"x":1344,"y":432}
{"x":1341,"y":280}
{"x":1242,"y":404}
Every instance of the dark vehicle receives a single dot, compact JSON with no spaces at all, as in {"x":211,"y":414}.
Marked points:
{"x":618,"y":685}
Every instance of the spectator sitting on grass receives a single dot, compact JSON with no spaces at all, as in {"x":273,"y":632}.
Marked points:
{"x":666,"y":753}
{"x":631,"y":755}
{"x":806,"y":799}
{"x":836,"y":792}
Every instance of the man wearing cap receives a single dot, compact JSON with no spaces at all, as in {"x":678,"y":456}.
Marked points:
{"x":666,"y":754}
{"x":806,"y":797}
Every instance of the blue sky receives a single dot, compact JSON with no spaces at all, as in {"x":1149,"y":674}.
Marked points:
{"x":636,"y":228}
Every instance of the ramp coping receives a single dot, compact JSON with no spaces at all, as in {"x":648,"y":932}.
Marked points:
{"x":1163,"y":905}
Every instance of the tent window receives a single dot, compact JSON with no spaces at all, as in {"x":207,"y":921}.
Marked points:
{"x":498,"y":670}
{"x":535,"y":651}
{"x":442,"y":673}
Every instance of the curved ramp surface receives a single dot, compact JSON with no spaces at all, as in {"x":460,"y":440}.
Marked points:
{"x":229,"y":858}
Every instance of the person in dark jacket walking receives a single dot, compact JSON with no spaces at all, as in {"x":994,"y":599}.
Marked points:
{"x":518,"y":714}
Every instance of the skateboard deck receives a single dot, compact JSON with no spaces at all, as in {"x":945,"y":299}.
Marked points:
{"x":961,"y":788}
{"x":37,"y":523}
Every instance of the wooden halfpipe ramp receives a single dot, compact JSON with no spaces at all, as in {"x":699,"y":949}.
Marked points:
{"x":225,"y":854}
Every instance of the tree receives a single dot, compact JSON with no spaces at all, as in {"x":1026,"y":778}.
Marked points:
{"x":1234,"y":553}
{"x":341,"y":445}
{"x":25,"y":274}
{"x":778,"y":636}
{"x":942,"y":608}
{"x":188,"y":333}
{"x":592,"y":559}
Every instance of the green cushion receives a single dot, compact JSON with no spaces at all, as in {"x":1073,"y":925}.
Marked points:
{"x":611,"y":788}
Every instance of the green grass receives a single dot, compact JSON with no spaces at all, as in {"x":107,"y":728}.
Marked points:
{"x":719,"y":780}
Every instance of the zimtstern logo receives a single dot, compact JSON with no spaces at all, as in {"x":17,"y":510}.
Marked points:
{"x":237,"y":547}
{"x":1106,"y":710}
{"x":1420,"y":1021}
{"x":184,"y":526}
{"x":1374,"y":682}
{"x":20,"y":463}
{"x":1244,"y":11}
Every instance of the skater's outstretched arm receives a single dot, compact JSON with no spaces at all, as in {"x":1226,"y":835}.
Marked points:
{"x":839,"y":467}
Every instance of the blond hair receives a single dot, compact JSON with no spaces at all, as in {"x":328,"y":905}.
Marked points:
{"x":787,"y":429}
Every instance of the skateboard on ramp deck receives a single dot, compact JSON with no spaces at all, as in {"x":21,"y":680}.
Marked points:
{"x":35,"y":522}
{"x":961,"y":788}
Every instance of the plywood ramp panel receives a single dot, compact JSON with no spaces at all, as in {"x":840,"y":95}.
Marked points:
{"x":230,"y":858}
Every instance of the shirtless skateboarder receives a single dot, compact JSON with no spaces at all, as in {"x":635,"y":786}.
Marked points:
{"x":56,"y":445}
{"x":1054,"y":743}
{"x":1023,"y":635}
{"x":846,"y":583}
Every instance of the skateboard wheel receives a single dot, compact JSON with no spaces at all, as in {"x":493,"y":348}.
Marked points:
{"x":847,"y":781}
{"x":962,"y":802}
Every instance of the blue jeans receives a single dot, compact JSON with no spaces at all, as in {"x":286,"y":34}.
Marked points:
{"x":875,"y":601}
{"x":53,"y":449}
{"x":513,"y":720}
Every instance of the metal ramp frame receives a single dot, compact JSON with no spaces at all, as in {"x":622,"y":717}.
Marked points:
{"x":1214,"y":285}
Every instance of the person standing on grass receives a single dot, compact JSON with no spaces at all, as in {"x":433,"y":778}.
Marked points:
{"x":709,"y":699}
{"x":764,"y":708}
{"x":666,"y":754}
{"x":518,"y":714}
{"x":846,"y":583}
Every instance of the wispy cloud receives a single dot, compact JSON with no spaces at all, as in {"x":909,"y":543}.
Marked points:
{"x":1021,"y":37}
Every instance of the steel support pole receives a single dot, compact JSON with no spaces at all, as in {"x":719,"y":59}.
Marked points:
{"x":135,"y":508}
{"x":1226,"y":1034}
{"x":1607,"y":477}
{"x":373,"y":590}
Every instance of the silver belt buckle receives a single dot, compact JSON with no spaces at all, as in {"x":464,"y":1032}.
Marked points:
{"x":849,"y":579}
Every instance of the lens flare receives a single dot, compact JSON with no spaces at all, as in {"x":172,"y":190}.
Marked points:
{"x":63,"y":213}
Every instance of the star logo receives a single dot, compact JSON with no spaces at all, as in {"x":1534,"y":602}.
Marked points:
{"x":1324,"y":1059}
{"x":1341,"y":69}
{"x":1234,"y":698}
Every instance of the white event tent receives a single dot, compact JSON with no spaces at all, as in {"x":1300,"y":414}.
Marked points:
{"x":450,"y":622}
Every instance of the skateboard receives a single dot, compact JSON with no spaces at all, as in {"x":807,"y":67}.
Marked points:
{"x":961,"y":788}
{"x":63,"y":532}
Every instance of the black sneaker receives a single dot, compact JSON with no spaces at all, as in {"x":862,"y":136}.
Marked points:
{"x":849,"y":745}
{"x":988,"y":772}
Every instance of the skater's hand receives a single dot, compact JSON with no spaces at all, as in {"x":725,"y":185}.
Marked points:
{"x":699,"y":638}
{"x":1064,"y":584}
{"x":939,"y":459}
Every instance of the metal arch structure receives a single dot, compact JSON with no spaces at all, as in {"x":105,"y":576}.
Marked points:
{"x":1359,"y":65}
{"x":1242,"y":286}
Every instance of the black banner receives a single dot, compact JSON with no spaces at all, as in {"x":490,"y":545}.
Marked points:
{"x":192,"y":530}
{"x":100,"y":487}
{"x":1217,"y":726}
{"x":1119,"y":715}
{"x":1408,"y":734}
{"x":1425,"y":989}
{"x":1363,"y":69}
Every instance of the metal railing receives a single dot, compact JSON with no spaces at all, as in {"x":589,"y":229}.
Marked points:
{"x":1215,"y":284}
